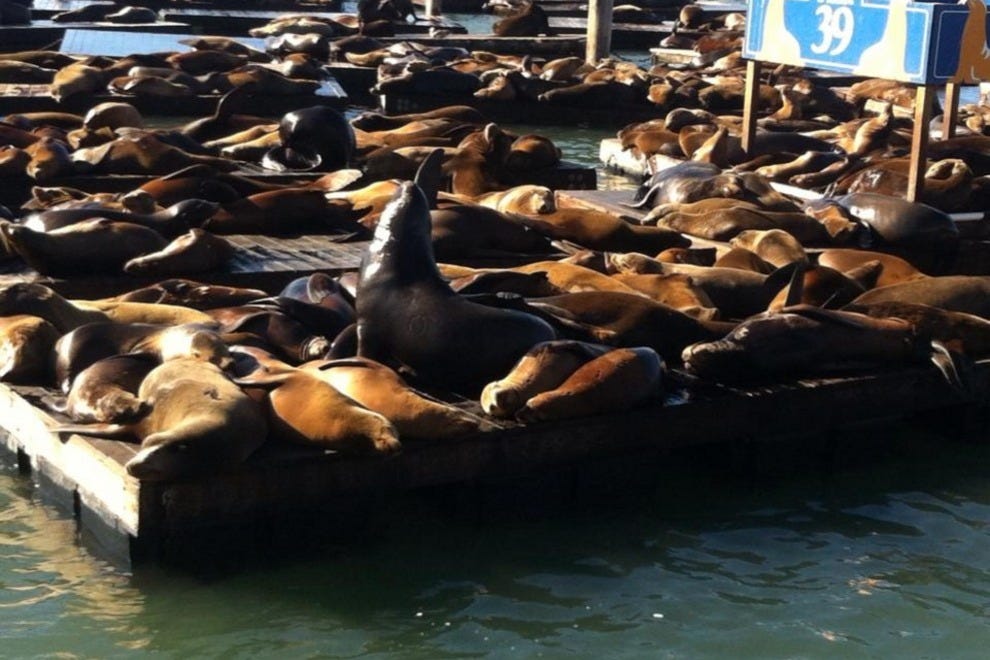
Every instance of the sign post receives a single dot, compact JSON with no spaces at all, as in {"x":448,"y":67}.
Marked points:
{"x":922,"y":43}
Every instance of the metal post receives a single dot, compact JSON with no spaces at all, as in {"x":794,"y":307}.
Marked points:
{"x":434,"y":8}
{"x":919,"y":141}
{"x":599,"y":42}
{"x":750,"y":100}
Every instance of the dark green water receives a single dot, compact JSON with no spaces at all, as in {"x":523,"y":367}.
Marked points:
{"x":886,"y":558}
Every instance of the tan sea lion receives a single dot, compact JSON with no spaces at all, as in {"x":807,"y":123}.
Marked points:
{"x":199,"y":422}
{"x":26,"y":344}
{"x":107,"y":390}
{"x":675,"y":290}
{"x":618,"y":380}
{"x":743,"y":259}
{"x":304,"y":409}
{"x":544,"y":367}
{"x":77,"y":78}
{"x":955,"y":293}
{"x":39,"y":300}
{"x":895,"y":270}
{"x":774,"y":246}
{"x":113,"y":115}
{"x":958,"y":331}
{"x":191,"y":294}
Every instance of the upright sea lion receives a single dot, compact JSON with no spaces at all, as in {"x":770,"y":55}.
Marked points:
{"x":618,"y":380}
{"x":200,"y":422}
{"x":445,"y":339}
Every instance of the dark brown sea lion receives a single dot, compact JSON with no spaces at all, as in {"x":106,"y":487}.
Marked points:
{"x":106,"y":391}
{"x":198,"y":62}
{"x":805,"y":340}
{"x":192,"y":294}
{"x":530,"y":21}
{"x":280,"y":212}
{"x":26,"y":344}
{"x":598,"y":230}
{"x":317,"y":137}
{"x":467,"y":230}
{"x":822,"y":286}
{"x":169,"y":222}
{"x":627,"y":320}
{"x":290,"y":338}
{"x":542,"y":368}
{"x":445,"y":339}
{"x":199,"y":423}
{"x":621,"y":379}
{"x":141,"y":155}
{"x":85,"y":345}
{"x":196,"y":251}
{"x":91,"y":12}
{"x":956,"y":330}
{"x":24,"y":73}
{"x":373,"y":121}
{"x":90,"y":246}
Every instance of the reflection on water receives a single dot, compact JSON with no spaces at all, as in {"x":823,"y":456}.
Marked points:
{"x":884,"y":559}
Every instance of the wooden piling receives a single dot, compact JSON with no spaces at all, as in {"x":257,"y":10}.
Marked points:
{"x":599,"y":30}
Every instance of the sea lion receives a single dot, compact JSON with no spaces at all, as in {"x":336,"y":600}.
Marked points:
{"x":280,"y":212}
{"x":292,"y":338}
{"x":90,"y":246}
{"x":442,"y":337}
{"x":107,"y":390}
{"x":958,"y":331}
{"x":526,"y":199}
{"x":895,"y":270}
{"x":304,"y":409}
{"x":39,"y":300}
{"x":317,"y":137}
{"x":544,"y":367}
{"x":899,"y":222}
{"x":133,"y":16}
{"x":742,"y":259}
{"x":24,"y":73}
{"x":599,"y":230}
{"x":26,"y":344}
{"x":194,"y":252}
{"x":805,"y":340}
{"x":192,"y":294}
{"x":77,"y":78}
{"x":199,"y":422}
{"x":49,"y":159}
{"x":145,"y":154}
{"x":168,"y":222}
{"x":466,"y":230}
{"x":618,"y":380}
{"x":113,"y":115}
{"x":773,"y":245}
{"x":822,"y":286}
{"x":955,"y":293}
{"x":85,"y":345}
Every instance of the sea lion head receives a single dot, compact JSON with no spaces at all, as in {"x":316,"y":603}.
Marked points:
{"x":402,"y":239}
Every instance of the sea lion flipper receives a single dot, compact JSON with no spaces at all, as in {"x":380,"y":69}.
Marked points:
{"x":97,"y":430}
{"x":429,"y":176}
{"x":955,"y":367}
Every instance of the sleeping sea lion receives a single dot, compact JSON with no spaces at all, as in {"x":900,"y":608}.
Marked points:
{"x":196,"y":251}
{"x":26,"y":344}
{"x":107,"y":390}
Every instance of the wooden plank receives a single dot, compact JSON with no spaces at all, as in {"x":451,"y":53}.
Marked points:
{"x":919,"y":141}
{"x":557,"y":46}
{"x":239,"y":22}
{"x":42,"y":34}
{"x":119,"y":44}
{"x":47,"y":8}
{"x":750,"y":101}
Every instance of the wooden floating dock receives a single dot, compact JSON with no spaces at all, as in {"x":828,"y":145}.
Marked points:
{"x":624,"y":35}
{"x":521,"y":112}
{"x":236,"y":22}
{"x":43,"y":34}
{"x":48,"y":8}
{"x":263,"y":262}
{"x":281,"y":486}
{"x":121,"y":44}
{"x":37,"y":98}
{"x":558,"y":46}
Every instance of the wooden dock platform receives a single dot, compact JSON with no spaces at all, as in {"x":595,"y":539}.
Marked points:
{"x":237,"y":22}
{"x":43,"y":34}
{"x":280,"y":487}
{"x":558,"y":46}
{"x":522,"y":111}
{"x":121,"y":44}
{"x":48,"y":8}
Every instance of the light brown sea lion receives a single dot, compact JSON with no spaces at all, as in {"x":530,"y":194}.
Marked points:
{"x":107,"y":390}
{"x":138,"y":312}
{"x":526,"y":199}
{"x":572,"y":278}
{"x":49,"y":159}
{"x":618,"y":380}
{"x":955,"y":293}
{"x":805,"y":340}
{"x":200,"y":422}
{"x":113,"y":115}
{"x":85,"y":345}
{"x":599,"y":230}
{"x":133,"y":16}
{"x":743,"y":259}
{"x":444,"y":338}
{"x":675,"y":290}
{"x":142,"y":155}
{"x":26,"y":344}
{"x":198,"y":62}
{"x":194,"y":252}
{"x":77,"y":78}
{"x":240,"y":137}
{"x":39,"y":300}
{"x":895,"y":270}
{"x":717,"y":220}
{"x":303,"y":409}
{"x":544,"y":367}
{"x":774,"y":246}
{"x":90,"y":246}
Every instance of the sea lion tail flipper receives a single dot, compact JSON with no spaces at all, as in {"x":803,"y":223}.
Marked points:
{"x":97,"y":430}
{"x":955,"y":367}
{"x":265,"y":378}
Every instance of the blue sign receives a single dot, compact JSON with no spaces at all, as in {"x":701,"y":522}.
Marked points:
{"x":916,"y":42}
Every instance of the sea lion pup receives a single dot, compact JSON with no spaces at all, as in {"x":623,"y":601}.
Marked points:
{"x":85,"y":345}
{"x":26,"y":344}
{"x":408,"y":313}
{"x":805,"y":340}
{"x":618,"y":380}
{"x":542,"y":368}
{"x":192,"y":294}
{"x":107,"y":390}
{"x":194,"y":252}
{"x":91,"y":246}
{"x":303,"y":409}
{"x":199,"y":422}
{"x":895,"y":270}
